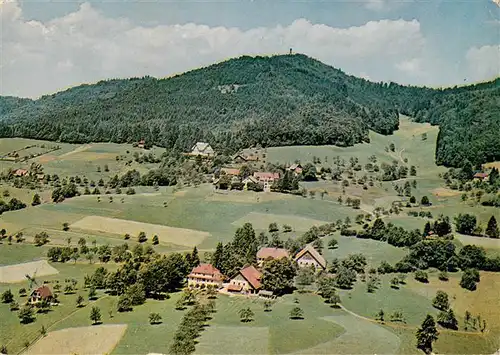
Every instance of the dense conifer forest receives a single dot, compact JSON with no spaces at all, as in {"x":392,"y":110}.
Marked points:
{"x":273,"y":101}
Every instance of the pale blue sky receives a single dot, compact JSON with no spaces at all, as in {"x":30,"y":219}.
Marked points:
{"x":415,"y":42}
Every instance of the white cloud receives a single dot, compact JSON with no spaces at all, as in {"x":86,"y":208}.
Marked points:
{"x":412,"y":66}
{"x":86,"y":46}
{"x":483,"y":62}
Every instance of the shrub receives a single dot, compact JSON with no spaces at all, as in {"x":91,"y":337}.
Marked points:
{"x":421,"y":276}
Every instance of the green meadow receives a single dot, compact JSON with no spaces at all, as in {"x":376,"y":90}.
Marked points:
{"x":323,"y":330}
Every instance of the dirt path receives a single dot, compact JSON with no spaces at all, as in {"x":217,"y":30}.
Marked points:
{"x":77,"y":150}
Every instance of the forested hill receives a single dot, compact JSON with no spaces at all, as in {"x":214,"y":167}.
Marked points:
{"x":274,"y":101}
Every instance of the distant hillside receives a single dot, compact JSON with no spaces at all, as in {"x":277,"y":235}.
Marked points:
{"x":274,"y":101}
{"x":9,"y":104}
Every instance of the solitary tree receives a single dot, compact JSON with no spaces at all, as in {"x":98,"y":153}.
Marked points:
{"x":92,"y":293}
{"x":469,"y":279}
{"x":296,"y":313}
{"x":268,"y":306}
{"x":441,"y":301}
{"x":95,"y":315}
{"x":447,"y":319}
{"x":424,"y":201}
{"x":155,"y":240}
{"x":246,"y":315}
{"x":141,"y":238}
{"x":7,"y":296}
{"x":273,"y":227}
{"x":334,"y":300}
{"x":333,"y":243}
{"x":427,"y":334}
{"x":380,"y":316}
{"x":26,"y":314}
{"x":154,"y":318}
{"x":36,"y":200}
{"x":421,"y":276}
{"x":492,"y":230}
{"x":79,"y":301}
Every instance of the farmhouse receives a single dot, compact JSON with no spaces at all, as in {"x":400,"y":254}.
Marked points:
{"x":205,"y":274}
{"x":202,"y":149}
{"x":309,"y":256}
{"x":266,"y":178}
{"x":141,"y":144}
{"x":271,"y":253}
{"x":251,"y":156}
{"x":252,"y":184}
{"x":21,"y":172}
{"x":295,"y":168}
{"x":481,"y":176}
{"x":247,"y":281}
{"x":42,"y":293}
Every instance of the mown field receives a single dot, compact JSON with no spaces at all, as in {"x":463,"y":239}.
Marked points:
{"x":203,"y":217}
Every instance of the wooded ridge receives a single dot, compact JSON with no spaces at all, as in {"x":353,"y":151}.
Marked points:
{"x":272,"y":101}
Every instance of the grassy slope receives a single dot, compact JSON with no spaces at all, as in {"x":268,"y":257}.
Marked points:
{"x":315,"y":334}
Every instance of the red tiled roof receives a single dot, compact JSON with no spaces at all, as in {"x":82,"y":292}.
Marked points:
{"x":252,"y":275}
{"x":266,"y":175}
{"x":481,"y":175}
{"x":275,"y":253}
{"x":207,"y":269}
{"x":44,"y":291}
{"x":20,"y":172}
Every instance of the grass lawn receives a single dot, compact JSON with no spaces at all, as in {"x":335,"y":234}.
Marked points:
{"x":360,"y":337}
{"x":235,"y":339}
{"x":13,"y":334}
{"x":413,"y":305}
{"x":375,"y":251}
{"x":18,"y":253}
{"x":284,"y":335}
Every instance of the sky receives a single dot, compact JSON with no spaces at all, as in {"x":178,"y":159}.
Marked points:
{"x":51,"y":45}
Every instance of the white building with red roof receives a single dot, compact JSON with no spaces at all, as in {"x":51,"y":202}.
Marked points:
{"x":271,"y":253}
{"x":266,"y":178}
{"x":247,"y":281}
{"x":205,"y":274}
{"x":42,"y":293}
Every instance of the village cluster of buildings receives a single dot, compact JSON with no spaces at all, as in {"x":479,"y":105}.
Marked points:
{"x":248,"y":279}
{"x":255,"y":158}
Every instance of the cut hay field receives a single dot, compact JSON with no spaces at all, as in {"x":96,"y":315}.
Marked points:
{"x":17,"y":273}
{"x":99,"y":339}
{"x":483,"y":301}
{"x":485,"y":242}
{"x":179,"y":236}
